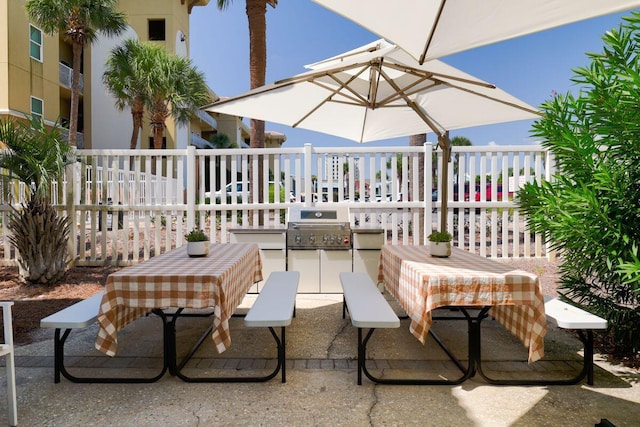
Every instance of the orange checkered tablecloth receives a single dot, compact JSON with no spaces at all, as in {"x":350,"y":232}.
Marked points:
{"x":173,"y":279}
{"x":421,"y":283}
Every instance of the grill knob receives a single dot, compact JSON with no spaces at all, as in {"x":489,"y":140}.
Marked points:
{"x":298,"y":239}
{"x":312,"y":238}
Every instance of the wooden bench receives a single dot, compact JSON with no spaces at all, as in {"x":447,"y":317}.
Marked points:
{"x":275,"y":307}
{"x":80,"y":315}
{"x":367,"y":308}
{"x":568,"y":316}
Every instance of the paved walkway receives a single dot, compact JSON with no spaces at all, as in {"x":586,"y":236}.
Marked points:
{"x":321,"y":385}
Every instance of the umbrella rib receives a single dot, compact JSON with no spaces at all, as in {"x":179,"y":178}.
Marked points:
{"x":431,"y":74}
{"x":500,"y":101}
{"x":411,"y":104}
{"x":432,"y":32}
{"x":342,"y":85}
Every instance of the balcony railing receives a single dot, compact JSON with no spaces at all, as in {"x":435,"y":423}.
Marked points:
{"x":66,"y":77}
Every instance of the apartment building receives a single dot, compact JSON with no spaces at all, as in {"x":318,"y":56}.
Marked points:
{"x":35,"y":76}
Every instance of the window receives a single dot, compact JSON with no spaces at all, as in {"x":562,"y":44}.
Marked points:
{"x":156,"y":29}
{"x":37,"y":107}
{"x":35,"y":43}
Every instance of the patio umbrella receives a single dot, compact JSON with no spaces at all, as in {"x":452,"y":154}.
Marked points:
{"x":436,"y":28}
{"x":378,"y":92}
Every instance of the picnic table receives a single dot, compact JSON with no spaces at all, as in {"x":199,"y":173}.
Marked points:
{"x":219,"y":281}
{"x":422,"y":283}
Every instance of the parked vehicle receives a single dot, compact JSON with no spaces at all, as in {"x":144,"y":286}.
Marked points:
{"x":240,"y":192}
{"x":489,"y":193}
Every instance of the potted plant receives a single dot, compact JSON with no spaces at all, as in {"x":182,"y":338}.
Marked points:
{"x":440,"y":244}
{"x":197,"y":243}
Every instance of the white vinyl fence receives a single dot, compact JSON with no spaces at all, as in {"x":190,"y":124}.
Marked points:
{"x":129,"y":205}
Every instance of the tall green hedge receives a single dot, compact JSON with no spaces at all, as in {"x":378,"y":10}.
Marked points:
{"x":590,"y":211}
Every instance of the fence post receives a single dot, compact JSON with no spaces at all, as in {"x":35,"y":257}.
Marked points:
{"x":70,"y":193}
{"x":428,"y":188}
{"x":191,"y":187}
{"x":308,"y":185}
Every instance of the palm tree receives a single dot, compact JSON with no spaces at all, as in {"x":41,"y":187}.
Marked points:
{"x":124,"y":79}
{"x":175,"y":88}
{"x":36,"y":156}
{"x":459,"y":141}
{"x":256,"y":13}
{"x":78,"y":21}
{"x":143,"y":75}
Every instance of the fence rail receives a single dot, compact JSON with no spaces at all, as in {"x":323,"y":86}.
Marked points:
{"x":129,"y":205}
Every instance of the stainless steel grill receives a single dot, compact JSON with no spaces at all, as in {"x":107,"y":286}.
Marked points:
{"x":319,"y":228}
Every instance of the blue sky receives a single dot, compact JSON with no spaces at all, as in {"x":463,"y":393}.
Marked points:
{"x":300,"y":32}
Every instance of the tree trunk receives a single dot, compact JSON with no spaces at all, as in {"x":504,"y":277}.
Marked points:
{"x":256,"y":14}
{"x":75,"y":93}
{"x":40,"y":235}
{"x":137,"y":113}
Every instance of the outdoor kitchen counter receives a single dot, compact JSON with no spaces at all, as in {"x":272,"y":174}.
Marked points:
{"x":271,"y":241}
{"x":261,"y":229}
{"x":367,"y":230}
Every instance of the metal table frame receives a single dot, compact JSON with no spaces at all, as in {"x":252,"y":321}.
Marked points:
{"x":474,"y":364}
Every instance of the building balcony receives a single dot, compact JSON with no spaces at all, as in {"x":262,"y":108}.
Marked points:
{"x":199,"y":142}
{"x":66,"y":76}
{"x":207,"y":119}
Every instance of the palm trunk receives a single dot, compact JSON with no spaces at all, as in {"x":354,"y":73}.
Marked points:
{"x":40,"y":235}
{"x":137,"y":112}
{"x":256,"y":13}
{"x":75,"y":93}
{"x":158,"y":133}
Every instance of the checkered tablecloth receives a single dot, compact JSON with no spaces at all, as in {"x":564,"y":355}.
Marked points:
{"x":422,"y":283}
{"x":220,"y":280}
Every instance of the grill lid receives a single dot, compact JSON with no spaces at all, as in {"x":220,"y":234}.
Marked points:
{"x":325,"y":215}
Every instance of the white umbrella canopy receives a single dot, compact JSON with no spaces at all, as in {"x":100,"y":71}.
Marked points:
{"x":436,"y":28}
{"x":379,"y":92}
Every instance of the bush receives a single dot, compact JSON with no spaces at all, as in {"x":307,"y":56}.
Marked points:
{"x":590,"y":211}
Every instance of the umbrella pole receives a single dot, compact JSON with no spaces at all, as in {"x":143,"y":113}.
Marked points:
{"x":445,"y":145}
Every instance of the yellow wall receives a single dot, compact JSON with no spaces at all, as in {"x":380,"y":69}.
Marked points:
{"x":4,"y":56}
{"x":21,"y":76}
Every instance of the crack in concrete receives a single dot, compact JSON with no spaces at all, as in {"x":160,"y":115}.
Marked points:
{"x":195,"y":414}
{"x":331,"y":344}
{"x":374,"y":403}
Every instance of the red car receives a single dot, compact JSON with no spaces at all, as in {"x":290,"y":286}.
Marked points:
{"x":489,"y":193}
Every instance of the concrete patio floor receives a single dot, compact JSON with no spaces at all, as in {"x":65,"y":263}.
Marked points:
{"x":321,"y":387}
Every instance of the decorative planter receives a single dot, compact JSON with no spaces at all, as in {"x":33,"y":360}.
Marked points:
{"x":440,"y":249}
{"x":198,"y":249}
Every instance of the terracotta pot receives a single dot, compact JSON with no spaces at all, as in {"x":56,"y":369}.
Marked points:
{"x":198,"y":249}
{"x":440,"y":249}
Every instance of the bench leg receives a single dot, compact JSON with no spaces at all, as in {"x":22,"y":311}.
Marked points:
{"x":586,"y":371}
{"x":176,"y":369}
{"x":362,"y":367}
{"x":60,"y":369}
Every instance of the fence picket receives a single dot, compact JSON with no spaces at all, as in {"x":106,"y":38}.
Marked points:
{"x":156,"y":196}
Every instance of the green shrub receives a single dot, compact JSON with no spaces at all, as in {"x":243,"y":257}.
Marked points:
{"x":590,"y":211}
{"x":440,"y":236}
